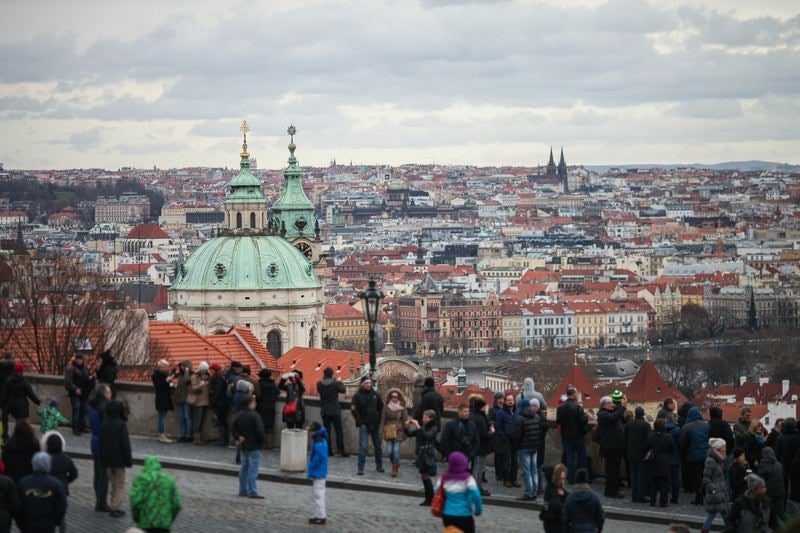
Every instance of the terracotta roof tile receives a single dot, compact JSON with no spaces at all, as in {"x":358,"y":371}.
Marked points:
{"x":177,"y":341}
{"x":648,"y":386}
{"x":576,"y":377}
{"x":147,"y":231}
{"x":312,"y":361}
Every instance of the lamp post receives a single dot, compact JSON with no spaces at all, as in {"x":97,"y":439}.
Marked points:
{"x":372,"y":305}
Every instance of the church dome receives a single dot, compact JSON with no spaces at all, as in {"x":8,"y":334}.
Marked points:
{"x":246,"y":262}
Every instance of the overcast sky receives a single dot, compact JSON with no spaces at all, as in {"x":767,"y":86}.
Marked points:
{"x":110,"y":84}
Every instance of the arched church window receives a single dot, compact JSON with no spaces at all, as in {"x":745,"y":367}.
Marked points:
{"x":252,"y":220}
{"x":274,"y":345}
{"x":238,"y":220}
{"x":311,"y":335}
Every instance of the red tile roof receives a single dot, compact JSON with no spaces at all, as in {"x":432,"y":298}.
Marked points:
{"x":576,"y":377}
{"x":648,"y":386}
{"x":177,"y":341}
{"x":732,"y":411}
{"x":453,"y":399}
{"x":240,"y":344}
{"x":147,"y":231}
{"x":312,"y":361}
{"x":340,"y":311}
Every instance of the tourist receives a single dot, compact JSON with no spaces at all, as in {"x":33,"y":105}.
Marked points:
{"x":163,"y":398}
{"x":663,"y":448}
{"x":612,"y":439}
{"x":50,"y":417}
{"x":529,"y":392}
{"x":529,"y":428}
{"x":772,"y":437}
{"x":200,"y":393}
{"x":582,"y":512}
{"x":393,"y":421}
{"x":366,"y":407}
{"x":716,"y":495}
{"x":504,"y":426}
{"x":43,"y":501}
{"x":78,"y":382}
{"x":107,"y":371}
{"x":248,"y":430}
{"x":97,"y":402}
{"x":318,"y":471}
{"x":555,"y":494}
{"x":485,"y":431}
{"x":794,"y":479}
{"x":674,"y":430}
{"x":499,"y":445}
{"x":754,"y":443}
{"x":329,"y":390}
{"x":752,"y":512}
{"x":9,"y":500}
{"x":787,"y":446}
{"x":19,"y":451}
{"x":221,"y":400}
{"x":667,"y":409}
{"x":694,"y":447}
{"x":719,"y":429}
{"x":181,"y":381}
{"x":460,"y":434}
{"x":265,"y":400}
{"x":294,"y":411}
{"x":426,"y":454}
{"x":741,"y":429}
{"x":430,"y":399}
{"x":737,"y":474}
{"x":771,"y":471}
{"x":636,"y":432}
{"x":462,"y":499}
{"x":572,"y":422}
{"x":16,"y":393}
{"x":61,"y":465}
{"x":6,"y":370}
{"x":154,"y":499}
{"x":115,"y":454}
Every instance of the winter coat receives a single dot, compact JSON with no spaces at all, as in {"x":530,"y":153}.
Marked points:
{"x":294,"y":391}
{"x":9,"y":502}
{"x":460,"y":435}
{"x":318,"y":459}
{"x":794,"y":479}
{"x":200,"y":389}
{"x":663,"y":447}
{"x":572,"y":420}
{"x":115,"y":443}
{"x":426,"y":452}
{"x":719,"y":429}
{"x":163,"y":390}
{"x":155,"y":502}
{"x":715,"y":486}
{"x":461,"y":497}
{"x":394,"y":418}
{"x":16,"y":393}
{"x":329,"y":390}
{"x":51,"y":417}
{"x":694,"y":437}
{"x":265,"y":405}
{"x":481,"y":422}
{"x":787,"y":445}
{"x":582,"y":511}
{"x":753,"y":445}
{"x":674,"y":431}
{"x":551,"y":513}
{"x":504,"y":424}
{"x":248,"y":424}
{"x":529,"y":392}
{"x":752,"y":515}
{"x":182,"y":382}
{"x":107,"y":372}
{"x":737,"y":479}
{"x":366,"y":406}
{"x":17,"y":457}
{"x":44,"y":503}
{"x":219,"y":391}
{"x":78,"y":377}
{"x":96,"y":416}
{"x":529,"y":430}
{"x":741,"y":430}
{"x":63,"y":469}
{"x":430,"y":399}
{"x":771,"y":471}
{"x":636,"y":432}
{"x":612,"y":433}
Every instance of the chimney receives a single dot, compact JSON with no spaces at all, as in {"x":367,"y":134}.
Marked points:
{"x":762,"y":381}
{"x":784,"y":388}
{"x":742,"y":380}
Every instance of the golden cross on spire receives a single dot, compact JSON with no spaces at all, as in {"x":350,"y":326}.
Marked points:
{"x":389,"y":327}
{"x":244,"y":128}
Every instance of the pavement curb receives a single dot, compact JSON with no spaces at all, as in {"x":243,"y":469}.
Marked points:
{"x":612,"y":513}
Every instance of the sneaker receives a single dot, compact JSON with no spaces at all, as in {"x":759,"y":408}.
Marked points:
{"x":380,"y":470}
{"x":317,"y":521}
{"x":117,"y":513}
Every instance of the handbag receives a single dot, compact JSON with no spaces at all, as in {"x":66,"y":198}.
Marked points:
{"x":390,"y":432}
{"x":437,"y":503}
{"x":192,"y":398}
{"x":290,"y":408}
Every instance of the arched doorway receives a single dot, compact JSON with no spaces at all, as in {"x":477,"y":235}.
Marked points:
{"x":311,"y":337}
{"x":252,"y":220}
{"x":274,"y":344}
{"x":238,"y":220}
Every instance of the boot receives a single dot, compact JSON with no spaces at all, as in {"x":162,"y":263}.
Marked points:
{"x":428,"y":485}
{"x":162,"y":437}
{"x":199,"y":440}
{"x":268,"y":440}
{"x":395,"y":470}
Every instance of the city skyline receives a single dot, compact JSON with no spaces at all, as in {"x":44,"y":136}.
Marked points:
{"x":479,"y":82}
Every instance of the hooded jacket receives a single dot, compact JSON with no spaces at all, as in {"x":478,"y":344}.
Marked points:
{"x":318,"y":460}
{"x":115,"y":443}
{"x":553,"y":503}
{"x":431,"y":399}
{"x":183,"y":382}
{"x":582,"y":511}
{"x":529,"y":392}
{"x":44,"y":503}
{"x":61,"y":466}
{"x":16,"y":393}
{"x":788,"y":444}
{"x":694,"y":437}
{"x":461,"y":494}
{"x":155,"y":502}
{"x":719,"y":429}
{"x":716,"y":488}
{"x":482,"y":426}
{"x":529,"y":429}
{"x":772,"y":472}
{"x":329,"y":390}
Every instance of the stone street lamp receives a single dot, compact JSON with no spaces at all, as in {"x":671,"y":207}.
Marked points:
{"x":372,"y":306}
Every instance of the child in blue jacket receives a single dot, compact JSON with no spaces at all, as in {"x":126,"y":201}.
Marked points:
{"x":318,"y":471}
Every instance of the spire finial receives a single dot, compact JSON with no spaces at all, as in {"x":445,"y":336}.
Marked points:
{"x":244,"y":128}
{"x":647,"y":351}
{"x":291,"y":131}
{"x":575,"y":357}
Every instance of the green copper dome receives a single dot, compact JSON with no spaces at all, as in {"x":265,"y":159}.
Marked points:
{"x":246,"y":262}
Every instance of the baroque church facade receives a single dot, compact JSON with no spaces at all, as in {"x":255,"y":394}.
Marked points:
{"x":259,"y":271}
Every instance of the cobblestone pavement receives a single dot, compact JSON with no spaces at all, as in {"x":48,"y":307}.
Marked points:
{"x":210,"y":505}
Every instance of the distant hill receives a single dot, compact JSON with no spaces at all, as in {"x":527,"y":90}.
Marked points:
{"x":746,"y":166}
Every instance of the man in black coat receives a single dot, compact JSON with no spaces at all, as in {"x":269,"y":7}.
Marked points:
{"x":115,"y":454}
{"x":44,"y":502}
{"x":6,"y":369}
{"x":485,"y":434}
{"x":719,"y":429}
{"x":366,"y":407}
{"x":329,"y":390}
{"x":430,"y":400}
{"x":572,"y":422}
{"x":460,"y":434}
{"x":610,"y":419}
{"x":78,"y":383}
{"x":636,"y":431}
{"x":248,"y":430}
{"x":107,"y":371}
{"x":529,"y":429}
{"x":15,"y":395}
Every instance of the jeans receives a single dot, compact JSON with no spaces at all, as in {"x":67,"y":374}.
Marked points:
{"x":248,"y":472}
{"x":78,"y":404}
{"x":636,"y":476}
{"x":162,"y":415}
{"x":185,"y":417}
{"x":100,"y":484}
{"x":575,"y":455}
{"x":393,"y":451}
{"x":710,"y":519}
{"x":334,"y":422}
{"x":364,"y":434}
{"x":478,"y":468}
{"x":530,"y":474}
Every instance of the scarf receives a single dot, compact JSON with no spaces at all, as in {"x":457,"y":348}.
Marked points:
{"x":395,"y":406}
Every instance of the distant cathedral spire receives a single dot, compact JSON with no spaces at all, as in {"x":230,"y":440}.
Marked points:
{"x":562,"y":171}
{"x":551,"y":166}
